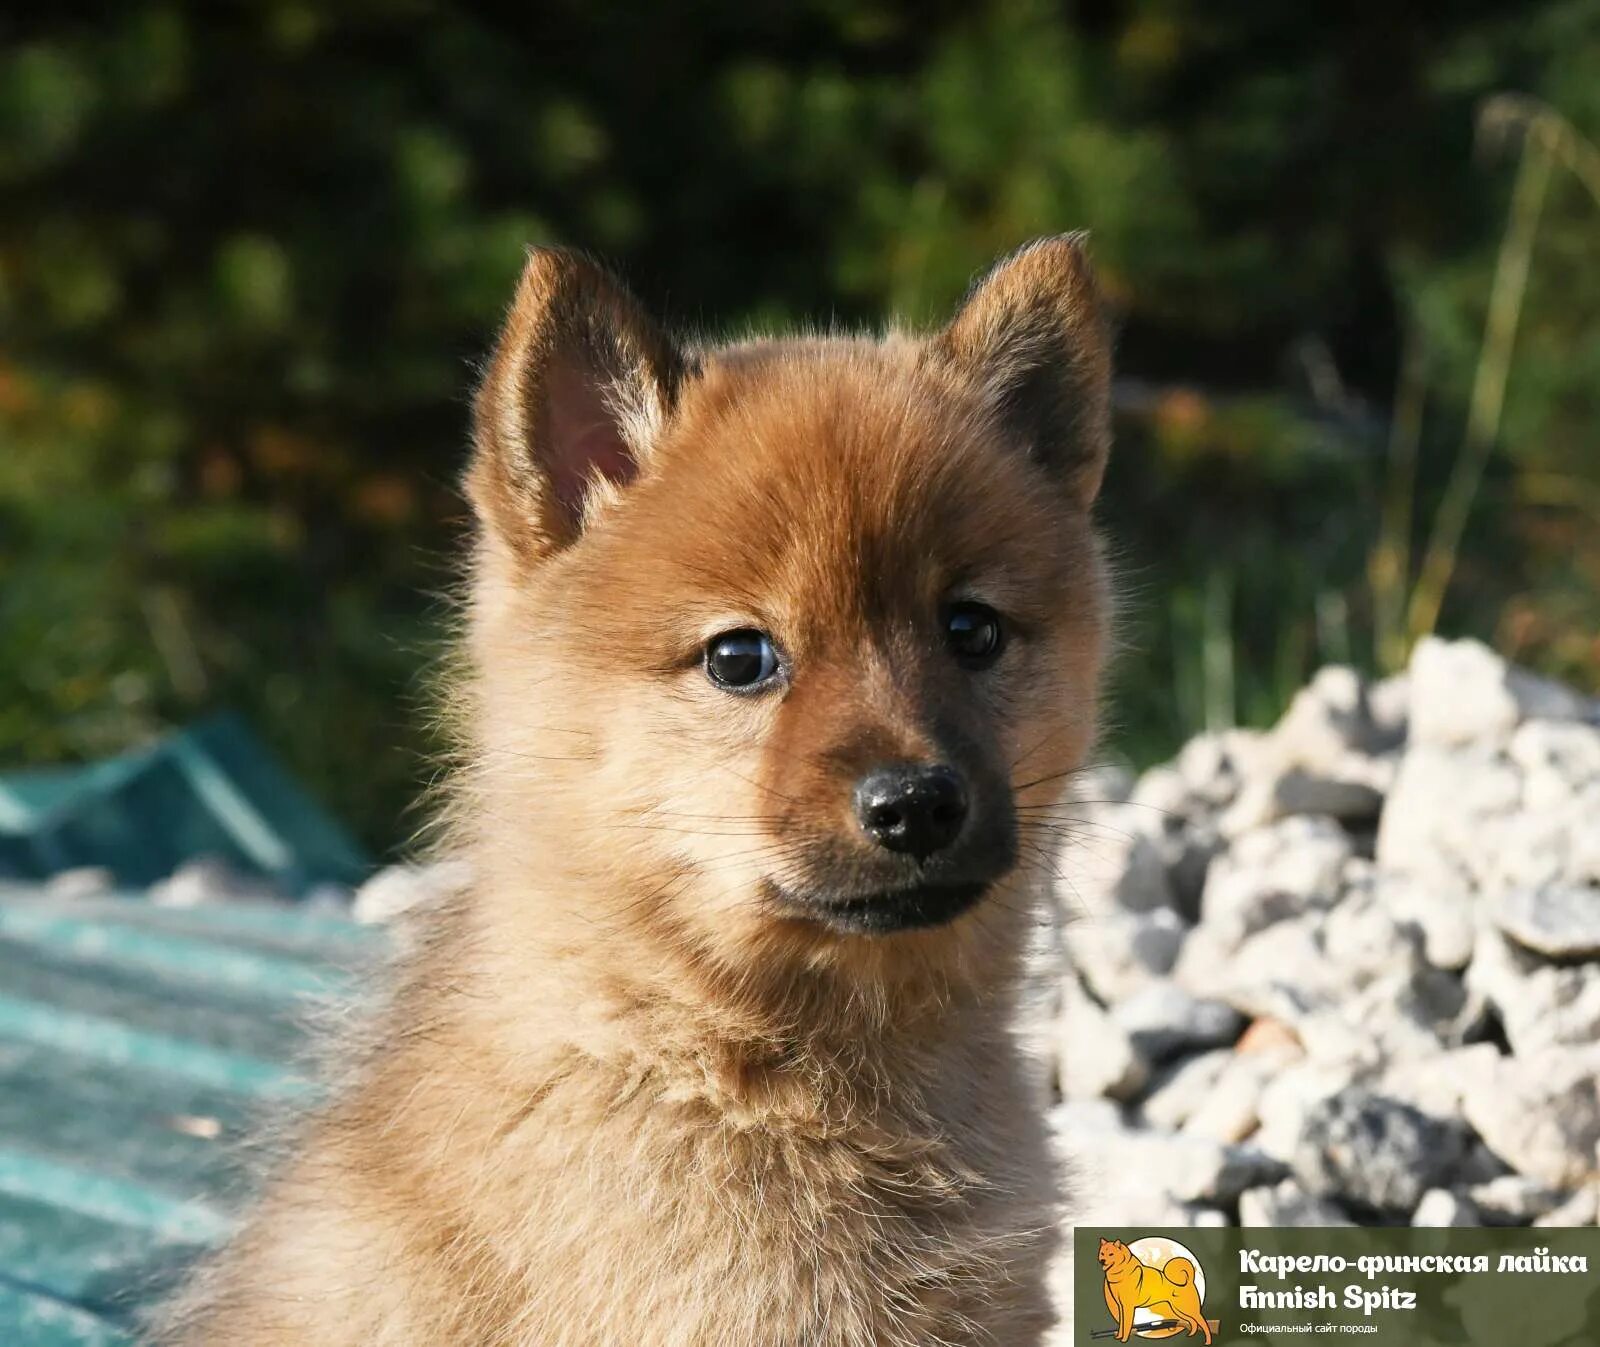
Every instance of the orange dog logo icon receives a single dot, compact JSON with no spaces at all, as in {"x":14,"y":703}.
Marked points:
{"x":1154,"y":1288}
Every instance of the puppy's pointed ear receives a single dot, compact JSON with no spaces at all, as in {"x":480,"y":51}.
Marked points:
{"x":1032,"y":333}
{"x":575,"y":395}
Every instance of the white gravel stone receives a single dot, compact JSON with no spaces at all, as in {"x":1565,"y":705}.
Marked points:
{"x":1462,"y":692}
{"x":1184,"y":1169}
{"x":1188,"y":852}
{"x":400,"y":889}
{"x":1541,"y":1004}
{"x":1442,"y":914}
{"x":1363,"y":936}
{"x":1275,"y":972}
{"x":1072,"y":1120}
{"x":1389,"y":706}
{"x":1437,"y":1084}
{"x":1214,"y":765}
{"x":1410,"y":1016}
{"x":1141,"y":1175}
{"x":1442,"y":818}
{"x":1440,"y":1207}
{"x":1514,"y":1199}
{"x":1094,"y":1054}
{"x":1582,"y":1208}
{"x":1323,"y":757}
{"x":1562,"y":922}
{"x":1275,"y":872}
{"x":1327,"y":718}
{"x":1541,"y":1114}
{"x":1105,"y":783}
{"x":1162,"y":792}
{"x":1183,"y":1088}
{"x":1558,"y":758}
{"x":1232,"y":1111}
{"x":1550,"y":846}
{"x":1374,"y":1150}
{"x":1287,"y":1204}
{"x":1119,"y":951}
{"x":1289,"y":1097}
{"x":1110,"y":862}
{"x":1162,"y":1020}
{"x":1353,"y":793}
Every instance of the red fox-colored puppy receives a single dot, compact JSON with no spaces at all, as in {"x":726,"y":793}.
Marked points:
{"x":779,"y":657}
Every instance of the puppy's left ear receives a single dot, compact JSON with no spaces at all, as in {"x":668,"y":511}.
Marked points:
{"x":1032,"y":333}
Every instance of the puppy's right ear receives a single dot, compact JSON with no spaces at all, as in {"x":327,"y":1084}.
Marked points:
{"x":575,"y":395}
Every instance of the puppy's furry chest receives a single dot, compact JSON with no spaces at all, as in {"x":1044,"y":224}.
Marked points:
{"x":713,"y":1228}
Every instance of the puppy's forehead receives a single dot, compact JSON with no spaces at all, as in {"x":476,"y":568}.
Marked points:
{"x":839,"y":472}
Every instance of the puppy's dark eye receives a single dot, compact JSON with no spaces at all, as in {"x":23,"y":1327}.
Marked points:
{"x":740,"y":659}
{"x":974,"y":633}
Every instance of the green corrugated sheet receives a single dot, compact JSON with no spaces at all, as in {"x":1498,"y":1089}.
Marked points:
{"x":208,"y":790}
{"x":129,"y":1034}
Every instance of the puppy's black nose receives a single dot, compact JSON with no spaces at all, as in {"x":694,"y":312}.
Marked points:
{"x":911,"y":808}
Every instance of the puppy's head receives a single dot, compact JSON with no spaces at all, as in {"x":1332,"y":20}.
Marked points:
{"x":786,"y":649}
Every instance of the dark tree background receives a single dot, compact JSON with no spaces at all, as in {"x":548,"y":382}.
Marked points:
{"x":250,"y":254}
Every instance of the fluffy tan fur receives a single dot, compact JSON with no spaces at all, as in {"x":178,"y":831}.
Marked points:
{"x":621,"y":1095}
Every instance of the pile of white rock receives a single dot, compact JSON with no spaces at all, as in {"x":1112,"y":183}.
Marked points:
{"x":1344,"y":971}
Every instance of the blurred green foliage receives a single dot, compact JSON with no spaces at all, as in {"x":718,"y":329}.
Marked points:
{"x":250,"y":254}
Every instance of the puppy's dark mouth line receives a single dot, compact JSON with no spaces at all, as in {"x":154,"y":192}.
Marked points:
{"x":891,"y":910}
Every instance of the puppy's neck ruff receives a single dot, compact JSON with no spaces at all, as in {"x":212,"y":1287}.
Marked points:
{"x":643,"y":991}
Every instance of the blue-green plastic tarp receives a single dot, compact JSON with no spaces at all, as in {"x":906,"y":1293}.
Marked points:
{"x":211,"y":790}
{"x":138,"y":1045}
